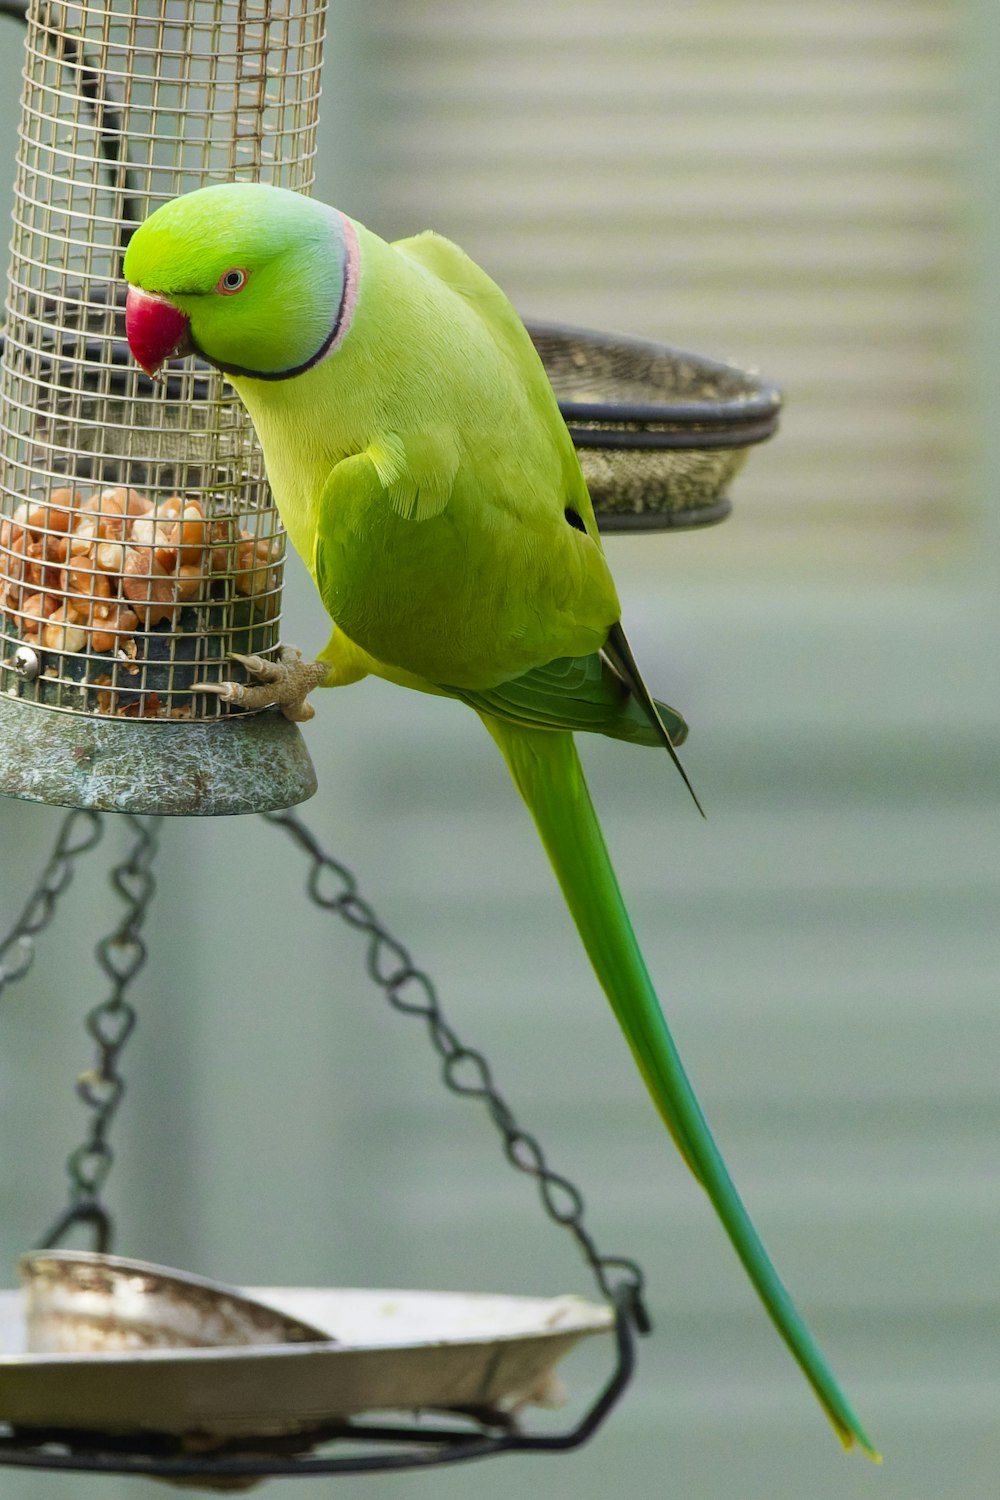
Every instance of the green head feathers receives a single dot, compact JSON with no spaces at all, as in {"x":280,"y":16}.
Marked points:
{"x":265,"y":278}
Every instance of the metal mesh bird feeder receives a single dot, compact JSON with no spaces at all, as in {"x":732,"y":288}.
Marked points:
{"x":138,"y":542}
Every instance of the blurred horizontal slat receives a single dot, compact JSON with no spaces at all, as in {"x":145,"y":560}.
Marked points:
{"x":846,"y":193}
{"x":808,"y":141}
{"x":868,"y":255}
{"x":779,"y":26}
{"x":801,"y":77}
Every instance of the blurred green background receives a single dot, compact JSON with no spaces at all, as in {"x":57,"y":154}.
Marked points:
{"x":812,"y":191}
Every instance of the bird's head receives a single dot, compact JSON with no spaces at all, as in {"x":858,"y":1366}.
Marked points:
{"x":257,"y":280}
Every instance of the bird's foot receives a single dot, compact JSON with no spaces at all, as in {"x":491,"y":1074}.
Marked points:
{"x":286,"y":682}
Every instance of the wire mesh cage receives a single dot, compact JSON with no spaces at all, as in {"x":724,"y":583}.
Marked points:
{"x":138,"y":542}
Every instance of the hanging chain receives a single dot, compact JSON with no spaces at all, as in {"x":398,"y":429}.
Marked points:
{"x":466,"y":1072}
{"x":78,"y":833}
{"x":121,"y":955}
{"x":407,"y":988}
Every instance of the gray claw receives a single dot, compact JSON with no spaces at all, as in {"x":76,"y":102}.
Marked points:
{"x":285,"y":682}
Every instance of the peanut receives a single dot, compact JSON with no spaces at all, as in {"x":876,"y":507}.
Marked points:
{"x":62,"y":633}
{"x":148,"y":587}
{"x":122,"y":622}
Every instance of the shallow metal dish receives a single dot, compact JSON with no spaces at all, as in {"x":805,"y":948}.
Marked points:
{"x":395,"y":1351}
{"x":660,"y":432}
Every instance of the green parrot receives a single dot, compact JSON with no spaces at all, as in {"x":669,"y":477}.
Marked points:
{"x":423,"y":471}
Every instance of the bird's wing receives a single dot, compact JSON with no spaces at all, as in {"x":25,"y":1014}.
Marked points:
{"x":451,"y":266}
{"x":416,"y":469}
{"x":582,"y":693}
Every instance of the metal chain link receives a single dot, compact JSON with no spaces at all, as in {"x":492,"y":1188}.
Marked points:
{"x":465,"y":1071}
{"x":78,"y":833}
{"x":121,"y":955}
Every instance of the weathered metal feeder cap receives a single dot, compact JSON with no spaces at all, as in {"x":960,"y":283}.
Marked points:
{"x":250,"y":763}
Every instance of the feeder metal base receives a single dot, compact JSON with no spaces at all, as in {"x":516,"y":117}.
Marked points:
{"x":244,"y":763}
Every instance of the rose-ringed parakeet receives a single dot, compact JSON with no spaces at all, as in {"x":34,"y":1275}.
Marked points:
{"x":423,"y":471}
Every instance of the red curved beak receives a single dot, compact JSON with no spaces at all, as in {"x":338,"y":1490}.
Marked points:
{"x":156,"y":330}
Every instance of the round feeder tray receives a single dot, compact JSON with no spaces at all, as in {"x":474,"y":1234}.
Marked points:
{"x":660,"y":433}
{"x":271,"y":1374}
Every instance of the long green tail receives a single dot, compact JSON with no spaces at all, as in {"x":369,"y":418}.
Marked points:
{"x":548,"y":774}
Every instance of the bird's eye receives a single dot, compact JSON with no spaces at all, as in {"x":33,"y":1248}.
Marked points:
{"x":232,"y":281}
